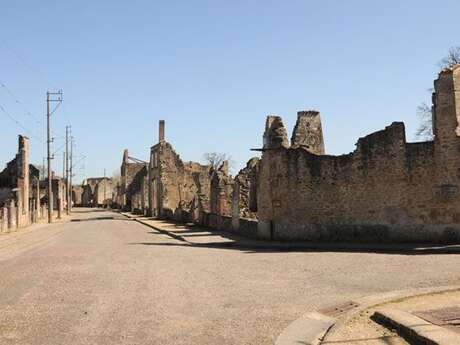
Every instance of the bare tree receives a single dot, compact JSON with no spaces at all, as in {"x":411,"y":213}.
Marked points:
{"x":425,"y":129}
{"x":216,"y":159}
{"x":452,"y":58}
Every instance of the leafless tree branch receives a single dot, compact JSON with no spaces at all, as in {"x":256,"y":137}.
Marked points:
{"x":452,"y":58}
{"x":425,"y":129}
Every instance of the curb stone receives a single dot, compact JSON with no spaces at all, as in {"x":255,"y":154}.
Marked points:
{"x":308,"y":329}
{"x":381,"y":299}
{"x":415,"y":329}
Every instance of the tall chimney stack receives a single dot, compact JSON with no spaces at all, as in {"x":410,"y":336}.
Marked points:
{"x":161,"y":133}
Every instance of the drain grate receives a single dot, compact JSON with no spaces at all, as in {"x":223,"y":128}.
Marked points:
{"x":446,"y":317}
{"x":338,"y":310}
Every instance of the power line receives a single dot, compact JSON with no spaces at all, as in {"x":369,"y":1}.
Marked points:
{"x":11,"y":117}
{"x":16,"y":99}
{"x":25,"y":63}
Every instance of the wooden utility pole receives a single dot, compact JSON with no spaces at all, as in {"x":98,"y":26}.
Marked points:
{"x":49,"y":99}
{"x":71,"y":168}
{"x":63,"y":165}
{"x":67,"y":175}
{"x":105,"y":189}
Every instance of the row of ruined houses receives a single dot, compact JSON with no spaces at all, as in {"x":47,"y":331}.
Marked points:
{"x":23,"y":195}
{"x":386,"y":190}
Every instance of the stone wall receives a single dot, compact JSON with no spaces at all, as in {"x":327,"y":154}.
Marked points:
{"x":77,"y":193}
{"x":386,"y":190}
{"x":132,"y":175}
{"x":244,"y":197}
{"x":19,"y":191}
{"x":177,"y":189}
{"x":103,"y":192}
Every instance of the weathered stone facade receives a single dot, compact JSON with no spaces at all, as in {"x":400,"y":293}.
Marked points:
{"x":386,"y":190}
{"x":103,"y":193}
{"x":19,"y":191}
{"x":94,"y":192}
{"x":177,"y":189}
{"x":132,"y":176}
{"x":308,"y":132}
{"x":77,"y":193}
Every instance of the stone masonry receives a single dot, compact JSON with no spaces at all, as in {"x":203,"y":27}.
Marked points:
{"x":177,"y":189}
{"x":132,"y":174}
{"x":386,"y":190}
{"x":19,"y":190}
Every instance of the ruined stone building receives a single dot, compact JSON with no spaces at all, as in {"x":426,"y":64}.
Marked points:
{"x":103,"y":193}
{"x":386,"y":190}
{"x":178,"y":190}
{"x":19,"y":190}
{"x":77,"y":193}
{"x":94,"y":192}
{"x":133,"y":187}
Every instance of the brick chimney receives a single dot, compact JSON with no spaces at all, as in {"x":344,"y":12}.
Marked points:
{"x":161,"y":131}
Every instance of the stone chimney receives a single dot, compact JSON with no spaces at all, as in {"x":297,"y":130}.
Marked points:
{"x":308,"y":132}
{"x":275,"y":135}
{"x":125,"y":156}
{"x":161,"y":131}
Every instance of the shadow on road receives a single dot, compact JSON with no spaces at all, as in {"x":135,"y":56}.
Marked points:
{"x":251,"y":248}
{"x":88,"y":210}
{"x":186,"y":235}
{"x":92,"y":219}
{"x":235,"y":242}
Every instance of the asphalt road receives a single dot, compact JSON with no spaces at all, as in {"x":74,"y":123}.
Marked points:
{"x":110,"y":280}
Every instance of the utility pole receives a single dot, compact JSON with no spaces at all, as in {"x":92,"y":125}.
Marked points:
{"x":63,"y":165}
{"x":67,"y":175}
{"x":49,"y":98}
{"x":71,"y":167}
{"x":105,"y":189}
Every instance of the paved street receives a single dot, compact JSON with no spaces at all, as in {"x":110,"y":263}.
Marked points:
{"x":109,"y":280}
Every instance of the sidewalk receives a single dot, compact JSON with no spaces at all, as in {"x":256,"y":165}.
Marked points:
{"x":195,"y":235}
{"x":423,"y":319}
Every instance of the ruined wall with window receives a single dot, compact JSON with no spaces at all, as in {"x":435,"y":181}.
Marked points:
{"x":386,"y":190}
{"x":177,"y":190}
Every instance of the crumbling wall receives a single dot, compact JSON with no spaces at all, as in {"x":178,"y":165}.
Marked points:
{"x":77,"y":195}
{"x":103,"y":192}
{"x":386,"y":190}
{"x":244,"y":199}
{"x":132,"y":174}
{"x":308,"y":132}
{"x":179,"y":190}
{"x":221,"y":195}
{"x":19,"y":190}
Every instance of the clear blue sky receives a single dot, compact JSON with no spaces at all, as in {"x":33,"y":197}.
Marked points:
{"x":213,"y":70}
